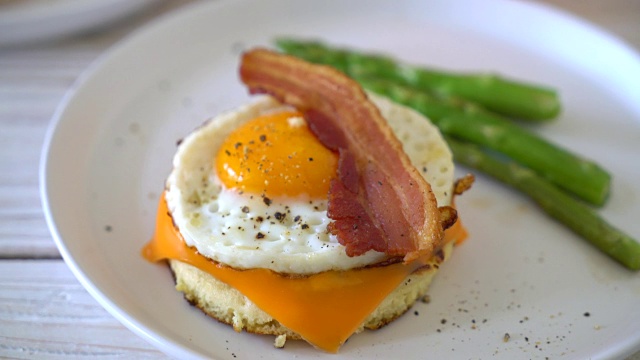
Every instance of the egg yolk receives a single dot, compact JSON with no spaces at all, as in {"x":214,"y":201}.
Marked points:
{"x":276,"y":155}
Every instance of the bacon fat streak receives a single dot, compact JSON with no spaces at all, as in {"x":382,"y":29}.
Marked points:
{"x":379,"y":201}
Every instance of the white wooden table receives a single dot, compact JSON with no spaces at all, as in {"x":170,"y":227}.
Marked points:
{"x":44,"y":311}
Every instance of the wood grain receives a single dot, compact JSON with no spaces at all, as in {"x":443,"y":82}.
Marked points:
{"x":33,"y":81}
{"x":44,"y":312}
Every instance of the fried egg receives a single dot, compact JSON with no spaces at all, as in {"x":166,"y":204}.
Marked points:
{"x":249,"y":188}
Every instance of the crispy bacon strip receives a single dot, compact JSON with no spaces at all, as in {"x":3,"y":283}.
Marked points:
{"x":379,"y":200}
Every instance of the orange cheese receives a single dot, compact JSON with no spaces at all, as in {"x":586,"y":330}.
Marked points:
{"x":307,"y":305}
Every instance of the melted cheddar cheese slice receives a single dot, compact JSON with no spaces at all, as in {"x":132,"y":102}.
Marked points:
{"x":307,"y":305}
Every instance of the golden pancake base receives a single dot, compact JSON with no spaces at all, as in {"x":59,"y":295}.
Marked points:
{"x":228,"y":305}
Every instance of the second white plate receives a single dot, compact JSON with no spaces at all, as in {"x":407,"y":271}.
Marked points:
{"x":29,"y":21}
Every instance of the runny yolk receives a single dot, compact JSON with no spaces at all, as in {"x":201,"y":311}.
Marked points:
{"x":276,"y":155}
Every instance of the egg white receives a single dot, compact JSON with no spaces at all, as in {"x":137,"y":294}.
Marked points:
{"x":285,"y":235}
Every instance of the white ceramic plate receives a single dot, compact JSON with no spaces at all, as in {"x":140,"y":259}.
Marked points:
{"x":29,"y":21}
{"x":112,"y":140}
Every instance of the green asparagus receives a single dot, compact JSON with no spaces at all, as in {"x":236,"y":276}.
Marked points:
{"x":507,"y":97}
{"x":464,"y":119}
{"x":577,"y":216}
{"x":456,"y":104}
{"x":577,"y":175}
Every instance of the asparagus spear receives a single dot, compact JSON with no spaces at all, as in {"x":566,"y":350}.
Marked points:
{"x":510,"y":98}
{"x":577,"y":175}
{"x":571,"y":212}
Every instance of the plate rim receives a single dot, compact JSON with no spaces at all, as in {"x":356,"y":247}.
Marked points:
{"x":111,"y":53}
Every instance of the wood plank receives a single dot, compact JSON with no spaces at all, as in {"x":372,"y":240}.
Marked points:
{"x":25,"y":113}
{"x":33,"y":80}
{"x":46,"y":313}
